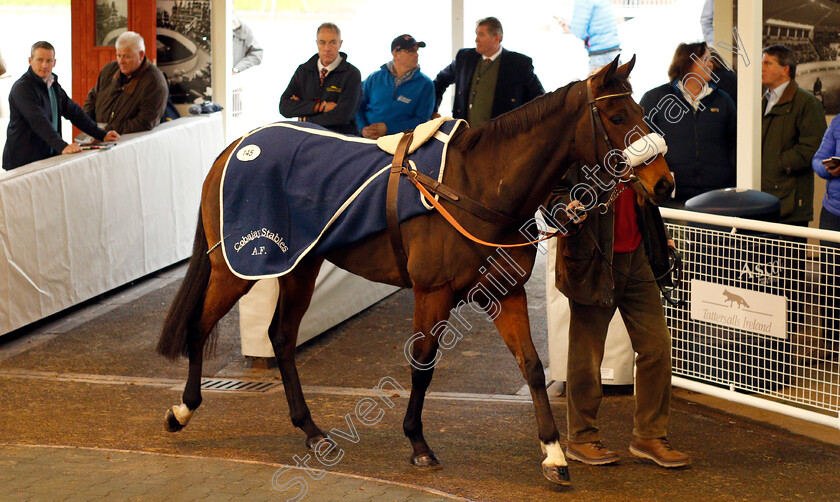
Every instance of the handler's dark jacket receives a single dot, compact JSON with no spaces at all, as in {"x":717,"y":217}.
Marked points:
{"x":128,"y":104}
{"x":701,"y":144}
{"x":30,"y":135}
{"x":790,"y":136}
{"x":516,"y":85}
{"x":342,"y":86}
{"x":581,"y":272}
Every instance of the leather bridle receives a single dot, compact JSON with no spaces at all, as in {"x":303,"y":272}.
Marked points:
{"x":597,"y":127}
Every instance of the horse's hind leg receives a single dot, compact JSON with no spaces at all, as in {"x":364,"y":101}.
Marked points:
{"x":296,"y":290}
{"x":430,"y":307}
{"x":512,"y":323}
{"x":223,"y":291}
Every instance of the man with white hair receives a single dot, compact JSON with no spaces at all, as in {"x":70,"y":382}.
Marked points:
{"x":130,"y":94}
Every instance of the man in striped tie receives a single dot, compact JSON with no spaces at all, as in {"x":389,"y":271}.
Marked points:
{"x":326,"y":89}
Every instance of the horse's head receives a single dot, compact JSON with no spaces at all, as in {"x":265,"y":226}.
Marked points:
{"x":615,"y":136}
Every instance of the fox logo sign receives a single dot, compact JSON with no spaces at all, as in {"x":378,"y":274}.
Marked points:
{"x":733,"y":298}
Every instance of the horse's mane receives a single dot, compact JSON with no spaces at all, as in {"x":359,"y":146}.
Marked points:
{"x":511,"y":123}
{"x":523,"y":118}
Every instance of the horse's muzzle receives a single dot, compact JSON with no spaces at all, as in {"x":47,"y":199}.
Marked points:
{"x":662,"y":190}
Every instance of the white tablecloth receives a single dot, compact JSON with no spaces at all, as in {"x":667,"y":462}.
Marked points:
{"x":75,"y":226}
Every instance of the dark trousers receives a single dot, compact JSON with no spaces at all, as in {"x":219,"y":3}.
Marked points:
{"x":641,"y":309}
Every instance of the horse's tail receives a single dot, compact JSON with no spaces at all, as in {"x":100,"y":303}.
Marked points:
{"x":181,"y":323}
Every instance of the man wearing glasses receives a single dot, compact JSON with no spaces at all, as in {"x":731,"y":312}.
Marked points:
{"x":398,"y":96}
{"x":325,"y":90}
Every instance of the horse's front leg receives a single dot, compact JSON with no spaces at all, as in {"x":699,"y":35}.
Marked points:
{"x":430,"y":308}
{"x":296,"y":291}
{"x":512,"y":323}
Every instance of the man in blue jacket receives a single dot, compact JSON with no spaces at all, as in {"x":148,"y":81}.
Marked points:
{"x":398,"y":96}
{"x":36,"y":104}
{"x":489,"y":80}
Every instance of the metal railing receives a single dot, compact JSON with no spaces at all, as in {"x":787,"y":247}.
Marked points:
{"x":635,"y":4}
{"x":760,"y":321}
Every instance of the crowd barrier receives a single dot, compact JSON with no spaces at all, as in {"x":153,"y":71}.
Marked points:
{"x":75,"y":226}
{"x":759,"y":324}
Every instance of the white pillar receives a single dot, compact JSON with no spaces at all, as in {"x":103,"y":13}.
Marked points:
{"x":457,"y":26}
{"x":748,"y":42}
{"x":723,"y":27}
{"x":222,"y":58}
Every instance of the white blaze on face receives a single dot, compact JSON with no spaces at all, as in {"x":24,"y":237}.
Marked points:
{"x":554,"y":453}
{"x":645,"y":148}
{"x":182,"y":413}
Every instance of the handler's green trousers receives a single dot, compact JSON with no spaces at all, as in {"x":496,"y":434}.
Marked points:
{"x":641,"y":309}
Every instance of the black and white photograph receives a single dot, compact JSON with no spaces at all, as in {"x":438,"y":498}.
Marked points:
{"x":812,"y":31}
{"x":183,"y":48}
{"x":111,"y":20}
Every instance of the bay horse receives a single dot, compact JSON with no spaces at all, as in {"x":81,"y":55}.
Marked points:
{"x":509,"y":165}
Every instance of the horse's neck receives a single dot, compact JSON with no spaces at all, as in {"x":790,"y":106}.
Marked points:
{"x":514,"y":175}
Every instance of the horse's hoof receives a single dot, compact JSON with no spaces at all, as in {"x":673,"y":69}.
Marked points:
{"x":170,"y":423}
{"x":312,"y":441}
{"x":557,"y":474}
{"x":425,"y":461}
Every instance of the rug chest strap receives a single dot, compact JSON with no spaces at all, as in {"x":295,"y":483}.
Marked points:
{"x":391,"y":216}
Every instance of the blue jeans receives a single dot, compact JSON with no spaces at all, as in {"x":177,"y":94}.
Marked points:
{"x":600,"y":60}
{"x":830,"y":268}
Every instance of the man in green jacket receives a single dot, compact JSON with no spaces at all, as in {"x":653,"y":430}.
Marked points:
{"x":791,"y":131}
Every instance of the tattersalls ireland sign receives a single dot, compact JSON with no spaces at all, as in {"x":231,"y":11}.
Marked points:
{"x":737,"y":308}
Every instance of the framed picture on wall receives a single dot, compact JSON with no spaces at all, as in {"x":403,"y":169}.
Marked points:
{"x":111,"y":21}
{"x":812,"y":31}
{"x":183,"y":48}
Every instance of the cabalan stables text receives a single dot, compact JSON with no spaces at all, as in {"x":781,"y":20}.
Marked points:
{"x":258,"y":234}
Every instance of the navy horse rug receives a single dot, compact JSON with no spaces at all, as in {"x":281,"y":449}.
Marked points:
{"x":292,"y":187}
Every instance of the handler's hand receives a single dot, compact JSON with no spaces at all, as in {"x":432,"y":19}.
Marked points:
{"x":71,"y":148}
{"x":328,"y":106}
{"x":111,"y":136}
{"x":578,"y":210}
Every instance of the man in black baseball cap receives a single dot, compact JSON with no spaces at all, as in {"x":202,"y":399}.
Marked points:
{"x":405,"y":42}
{"x":397,"y":96}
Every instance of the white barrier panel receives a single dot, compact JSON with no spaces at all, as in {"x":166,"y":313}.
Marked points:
{"x":75,"y":226}
{"x":761,"y":319}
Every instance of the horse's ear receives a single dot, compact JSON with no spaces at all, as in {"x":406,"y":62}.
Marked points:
{"x":624,"y":70}
{"x":606,"y":73}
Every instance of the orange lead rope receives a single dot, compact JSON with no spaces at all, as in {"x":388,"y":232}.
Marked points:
{"x":437,"y":205}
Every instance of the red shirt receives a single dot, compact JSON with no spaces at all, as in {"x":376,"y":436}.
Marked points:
{"x":626,"y":236}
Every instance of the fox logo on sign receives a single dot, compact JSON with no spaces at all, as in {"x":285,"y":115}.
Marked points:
{"x":733,"y":298}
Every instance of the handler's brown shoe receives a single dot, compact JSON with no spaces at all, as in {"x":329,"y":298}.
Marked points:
{"x":594,"y":453}
{"x":659,"y":451}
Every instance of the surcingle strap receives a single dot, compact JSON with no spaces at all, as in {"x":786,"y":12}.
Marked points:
{"x":391,"y":207}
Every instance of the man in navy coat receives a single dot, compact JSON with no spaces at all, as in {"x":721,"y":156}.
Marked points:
{"x":489,"y":80}
{"x":36,"y":104}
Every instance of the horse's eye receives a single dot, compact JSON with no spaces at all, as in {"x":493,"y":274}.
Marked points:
{"x":617,"y":119}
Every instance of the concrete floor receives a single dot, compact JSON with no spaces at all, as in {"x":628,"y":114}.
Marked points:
{"x":90,"y":380}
